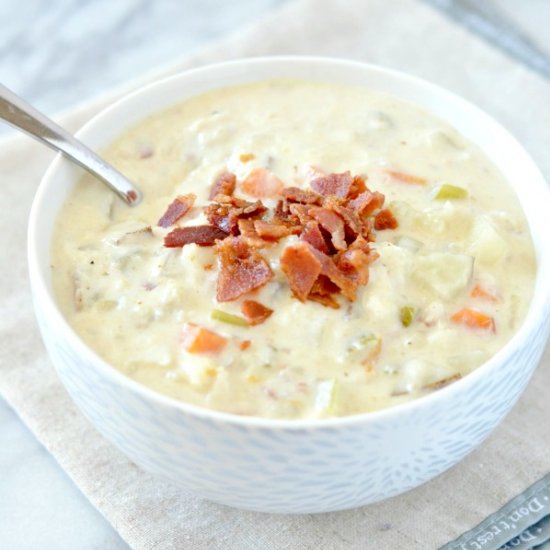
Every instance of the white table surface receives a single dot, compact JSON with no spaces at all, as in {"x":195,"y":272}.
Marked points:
{"x":57,"y":53}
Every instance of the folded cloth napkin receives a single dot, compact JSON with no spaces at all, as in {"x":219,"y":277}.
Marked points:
{"x":523,"y":523}
{"x":150,"y":513}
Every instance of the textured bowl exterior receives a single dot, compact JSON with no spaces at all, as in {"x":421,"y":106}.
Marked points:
{"x":295,"y":470}
{"x":282,"y":466}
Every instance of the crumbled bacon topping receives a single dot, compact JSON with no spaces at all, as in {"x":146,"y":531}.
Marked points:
{"x":335,"y":221}
{"x":304,"y":196}
{"x":312,"y":235}
{"x":248,"y":232}
{"x":242,"y":269}
{"x":346,"y":284}
{"x":333,"y":184}
{"x":201,"y":235}
{"x":177,"y":209}
{"x":262,"y":184}
{"x":224,"y":185}
{"x":356,"y":260}
{"x":358,"y":186}
{"x":324,"y":292}
{"x":331,"y":222}
{"x":302,"y":267}
{"x":271,"y":230}
{"x":226,"y":211}
{"x":254,"y":312}
{"x":384,"y":220}
{"x":367,"y":202}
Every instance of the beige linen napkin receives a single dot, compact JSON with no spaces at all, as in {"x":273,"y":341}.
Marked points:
{"x":150,"y":513}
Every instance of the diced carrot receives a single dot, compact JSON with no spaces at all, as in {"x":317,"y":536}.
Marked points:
{"x":369,"y":363}
{"x":197,"y":339}
{"x":482,"y":293}
{"x":262,"y":184}
{"x":244,"y":344}
{"x":407,"y":178}
{"x":473,"y":318}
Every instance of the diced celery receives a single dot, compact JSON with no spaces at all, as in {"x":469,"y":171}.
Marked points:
{"x":406,"y":314}
{"x":326,"y":396}
{"x":224,"y":317}
{"x":363,"y":341}
{"x":450,"y":192}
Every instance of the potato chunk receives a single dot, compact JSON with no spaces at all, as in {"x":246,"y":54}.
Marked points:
{"x":443,"y":274}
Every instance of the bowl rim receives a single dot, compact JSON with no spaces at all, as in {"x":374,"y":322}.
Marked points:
{"x":42,"y":294}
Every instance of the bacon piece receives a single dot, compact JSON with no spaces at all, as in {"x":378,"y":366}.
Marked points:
{"x":323,"y":292}
{"x":385,"y":220}
{"x":262,"y":184}
{"x":368,"y":230}
{"x":282,"y":215}
{"x":312,"y":234}
{"x":176,"y":210}
{"x":332,"y":201}
{"x":281,"y":211}
{"x":271,"y":230}
{"x":301,"y":266}
{"x":250,"y":235}
{"x":356,"y":260}
{"x":223,"y":217}
{"x":252,"y":209}
{"x":332,"y":223}
{"x":201,"y":235}
{"x":346,"y":284}
{"x":328,"y":301}
{"x":357,"y":187}
{"x":333,"y":184}
{"x":366,"y":203}
{"x":254,"y":312}
{"x":223,"y":185}
{"x":352,"y":222}
{"x":242,"y":269}
{"x":226,"y":212}
{"x":304,"y":196}
{"x":301,"y":212}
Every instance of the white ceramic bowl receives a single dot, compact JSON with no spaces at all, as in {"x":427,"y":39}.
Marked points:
{"x":279,"y":465}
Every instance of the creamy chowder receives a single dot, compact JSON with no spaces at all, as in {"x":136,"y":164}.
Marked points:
{"x":303,"y":250}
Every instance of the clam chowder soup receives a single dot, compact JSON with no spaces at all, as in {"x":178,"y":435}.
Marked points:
{"x":303,"y":250}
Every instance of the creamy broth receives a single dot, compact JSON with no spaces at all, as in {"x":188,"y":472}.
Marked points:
{"x":451,"y":285}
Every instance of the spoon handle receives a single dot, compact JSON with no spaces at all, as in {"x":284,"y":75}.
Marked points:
{"x":23,"y":116}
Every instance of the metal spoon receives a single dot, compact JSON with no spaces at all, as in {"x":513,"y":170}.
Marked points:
{"x":23,"y":116}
